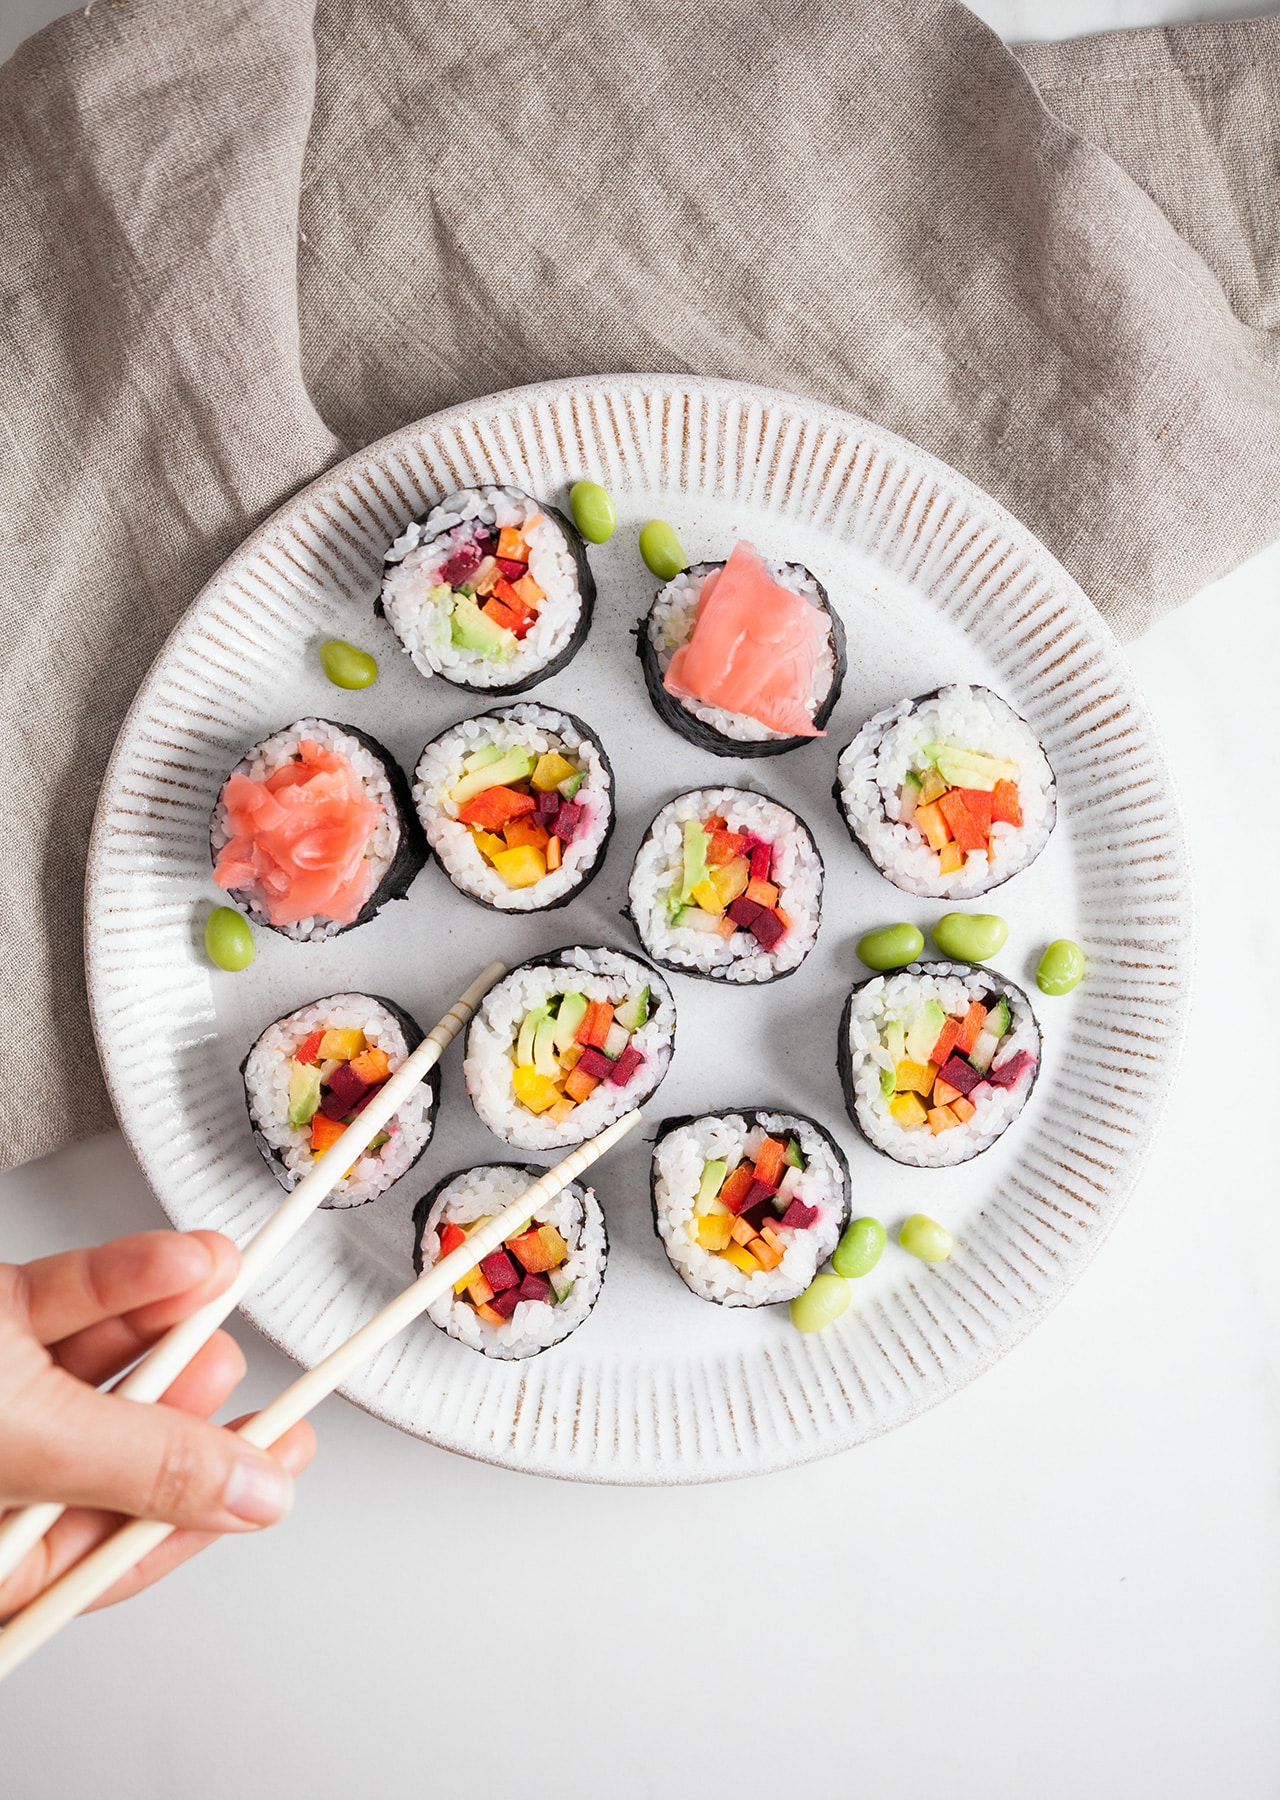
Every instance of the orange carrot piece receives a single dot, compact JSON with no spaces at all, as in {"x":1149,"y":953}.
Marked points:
{"x":764,"y":1252}
{"x":946,"y":1042}
{"x":931,"y":822}
{"x":528,"y":590}
{"x":526,"y":830}
{"x":941,"y":1118}
{"x":489,"y":1316}
{"x":511,"y":546}
{"x":579,"y":1085}
{"x":372,"y":1065}
{"x":763,"y":893}
{"x":594,"y":1028}
{"x":553,"y":855}
{"x":770,"y":1161}
{"x":963,"y":1108}
{"x":1006,"y":805}
{"x":971,"y":1025}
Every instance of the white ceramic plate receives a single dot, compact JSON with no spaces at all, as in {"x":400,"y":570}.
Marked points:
{"x":936,"y":583}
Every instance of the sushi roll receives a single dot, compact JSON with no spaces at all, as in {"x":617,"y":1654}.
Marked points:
{"x":310,"y":1073}
{"x":949,"y":794}
{"x":517,"y":805}
{"x":491,"y":589}
{"x":534,"y":1291}
{"x":727,"y":884}
{"x":744,"y":657}
{"x":566,"y":1044}
{"x":936,"y":1061}
{"x":748,"y":1205}
{"x":314,"y":831}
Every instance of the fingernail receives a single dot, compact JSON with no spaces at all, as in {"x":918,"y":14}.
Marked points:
{"x":258,"y":1491}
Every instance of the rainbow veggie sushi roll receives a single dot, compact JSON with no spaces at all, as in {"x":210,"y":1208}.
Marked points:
{"x":534,"y":1291}
{"x":566,"y":1044}
{"x":744,"y":657}
{"x":312,"y":1071}
{"x":749,"y":1204}
{"x":491,"y":589}
{"x":949,"y":794}
{"x":517,"y":805}
{"x":727,"y":884}
{"x":937,"y":1060}
{"x":314,"y":831}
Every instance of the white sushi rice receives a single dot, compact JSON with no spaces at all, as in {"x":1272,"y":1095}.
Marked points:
{"x":272,"y":754}
{"x":266,"y":1083}
{"x":678,"y":1161}
{"x":670,"y":624}
{"x":528,"y":727}
{"x":874,"y":766}
{"x":889,"y":998}
{"x":797,"y":874}
{"x":422,"y":621}
{"x":489,"y":1067}
{"x":535,"y":1324}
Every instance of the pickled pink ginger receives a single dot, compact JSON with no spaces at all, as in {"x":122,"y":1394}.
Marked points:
{"x":299,"y":838}
{"x":754,"y":648}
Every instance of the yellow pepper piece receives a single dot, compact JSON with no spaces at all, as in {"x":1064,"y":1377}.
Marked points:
{"x":549,"y":771}
{"x":555,"y":1244}
{"x":535,"y":1091}
{"x":918,"y":1077}
{"x":341,"y":1044}
{"x":907,"y":1110}
{"x":741,"y":1259}
{"x":705,"y":896}
{"x":488,"y":845}
{"x":731,"y":879}
{"x":932,"y":786}
{"x":520,"y":867}
{"x":950,"y":859}
{"x":712,"y":1230}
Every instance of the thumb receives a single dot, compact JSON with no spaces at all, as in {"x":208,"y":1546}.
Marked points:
{"x":153,"y":1462}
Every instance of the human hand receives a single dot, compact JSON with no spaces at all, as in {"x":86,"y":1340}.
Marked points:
{"x":70,"y":1322}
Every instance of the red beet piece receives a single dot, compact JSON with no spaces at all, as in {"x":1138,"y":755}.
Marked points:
{"x":758,"y":1191}
{"x":535,"y":1287}
{"x":1006,"y":1076}
{"x":625,"y":1067}
{"x":500,"y":1272}
{"x":506,"y":1302}
{"x":549,"y":805}
{"x":595,"y":1062}
{"x":768,"y":929}
{"x":761,"y":855}
{"x":514,"y":571}
{"x":333,"y":1106}
{"x":461,"y":565}
{"x":347,"y":1085}
{"x":756,"y":1214}
{"x":744,"y":912}
{"x":568,"y":820}
{"x":960,"y":1074}
{"x":798,"y":1216}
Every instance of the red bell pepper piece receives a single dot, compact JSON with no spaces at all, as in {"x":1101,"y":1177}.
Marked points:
{"x":594,"y":1028}
{"x":324,"y":1132}
{"x":309,"y":1049}
{"x":979,"y":806}
{"x":970,"y":1026}
{"x":771,"y":1159}
{"x":452,"y":1238}
{"x":946,"y":1042}
{"x":963,"y":826}
{"x":495,"y":807}
{"x":737,"y":1187}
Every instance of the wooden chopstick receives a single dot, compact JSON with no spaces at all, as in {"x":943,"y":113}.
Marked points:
{"x":164,"y":1362}
{"x":89,"y":1579}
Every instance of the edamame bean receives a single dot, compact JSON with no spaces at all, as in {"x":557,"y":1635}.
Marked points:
{"x":660,"y":548}
{"x":892,"y":947}
{"x":859,"y":1249}
{"x":592,"y":509}
{"x":346,"y":666}
{"x":970,"y":937}
{"x":228,"y":941}
{"x":1061,"y":967}
{"x":924,"y":1237}
{"x":825,"y":1298}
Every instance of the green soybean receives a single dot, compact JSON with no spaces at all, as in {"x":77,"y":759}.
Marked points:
{"x":970,"y":937}
{"x":346,"y":666}
{"x":825,"y":1298}
{"x":859,"y":1249}
{"x":1061,"y":967}
{"x":592,"y":509}
{"x":660,"y":548}
{"x":892,"y":947}
{"x":924,"y":1237}
{"x":228,"y":940}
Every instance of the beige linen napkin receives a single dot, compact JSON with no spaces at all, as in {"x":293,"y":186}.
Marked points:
{"x":239,"y":236}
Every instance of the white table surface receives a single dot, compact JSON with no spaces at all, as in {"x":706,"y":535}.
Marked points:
{"x":1063,"y":1582}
